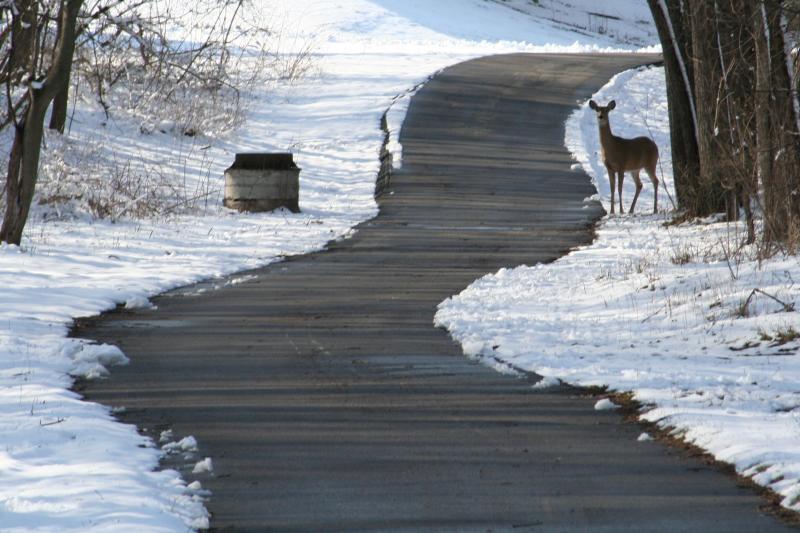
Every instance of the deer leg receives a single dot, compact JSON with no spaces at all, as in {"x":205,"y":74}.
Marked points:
{"x":638,"y":182}
{"x":651,"y":172}
{"x":611,"y":178}
{"x":620,"y":178}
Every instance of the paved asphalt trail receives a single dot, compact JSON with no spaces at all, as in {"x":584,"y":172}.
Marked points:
{"x":327,"y":399}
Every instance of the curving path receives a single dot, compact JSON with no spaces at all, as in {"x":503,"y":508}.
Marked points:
{"x":328,"y":401}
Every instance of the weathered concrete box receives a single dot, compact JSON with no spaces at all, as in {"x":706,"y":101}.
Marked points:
{"x":262,"y":182}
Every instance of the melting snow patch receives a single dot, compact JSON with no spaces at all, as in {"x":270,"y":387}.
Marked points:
{"x":605,"y":405}
{"x":138,"y":302}
{"x":89,"y":361}
{"x":186,"y":444}
{"x":204,"y":466}
{"x":199,"y":523}
{"x":165,"y":436}
{"x":546,"y":382}
{"x":644,"y":437}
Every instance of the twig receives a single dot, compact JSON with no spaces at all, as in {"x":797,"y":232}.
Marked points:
{"x":788,"y":308}
{"x":655,"y":313}
{"x":728,"y":255}
{"x":170,"y":208}
{"x":53,"y":423}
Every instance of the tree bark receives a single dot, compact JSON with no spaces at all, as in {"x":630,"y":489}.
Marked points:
{"x":735,"y":109}
{"x":784,"y":113}
{"x":778,"y":150}
{"x":24,"y":161}
{"x":764,"y":153}
{"x":680,"y":95}
{"x":22,"y":172}
{"x":59,"y":110}
{"x":23,"y":41}
{"x":708,"y":194}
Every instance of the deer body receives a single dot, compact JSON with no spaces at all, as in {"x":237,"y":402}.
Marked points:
{"x":622,"y":155}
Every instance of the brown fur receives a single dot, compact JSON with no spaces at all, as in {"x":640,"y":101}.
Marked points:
{"x":622,"y":155}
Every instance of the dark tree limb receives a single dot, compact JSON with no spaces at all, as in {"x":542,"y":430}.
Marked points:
{"x":26,"y":149}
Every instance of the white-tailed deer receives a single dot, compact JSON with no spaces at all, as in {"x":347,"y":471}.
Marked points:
{"x":626,"y":155}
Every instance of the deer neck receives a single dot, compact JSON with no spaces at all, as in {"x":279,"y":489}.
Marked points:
{"x":606,"y":137}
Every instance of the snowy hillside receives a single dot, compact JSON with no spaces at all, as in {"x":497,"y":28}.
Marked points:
{"x":66,"y":464}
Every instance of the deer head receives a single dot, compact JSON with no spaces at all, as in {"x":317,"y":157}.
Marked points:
{"x":602,"y":111}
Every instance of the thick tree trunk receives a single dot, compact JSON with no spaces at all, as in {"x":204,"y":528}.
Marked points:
{"x":735,"y":110}
{"x":778,"y":150}
{"x":764,"y":151}
{"x":24,"y":161}
{"x":708,"y":194}
{"x":58,"y":112}
{"x":23,"y":41}
{"x":680,"y":95}
{"x":23,"y":168}
{"x":785,"y":115}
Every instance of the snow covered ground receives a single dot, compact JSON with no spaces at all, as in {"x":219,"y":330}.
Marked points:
{"x":66,"y":464}
{"x":701,"y":333}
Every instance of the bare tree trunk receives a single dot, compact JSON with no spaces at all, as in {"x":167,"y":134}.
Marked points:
{"x":735,"y":107}
{"x":23,"y":41}
{"x":23,"y":168}
{"x":785,"y":115}
{"x":680,"y":98}
{"x":764,"y":153}
{"x":24,"y":161}
{"x":776,"y":118}
{"x":709,"y":195}
{"x":58,"y":112}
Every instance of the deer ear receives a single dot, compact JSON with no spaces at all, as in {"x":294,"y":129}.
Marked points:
{"x":611,"y":105}
{"x":593,"y":104}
